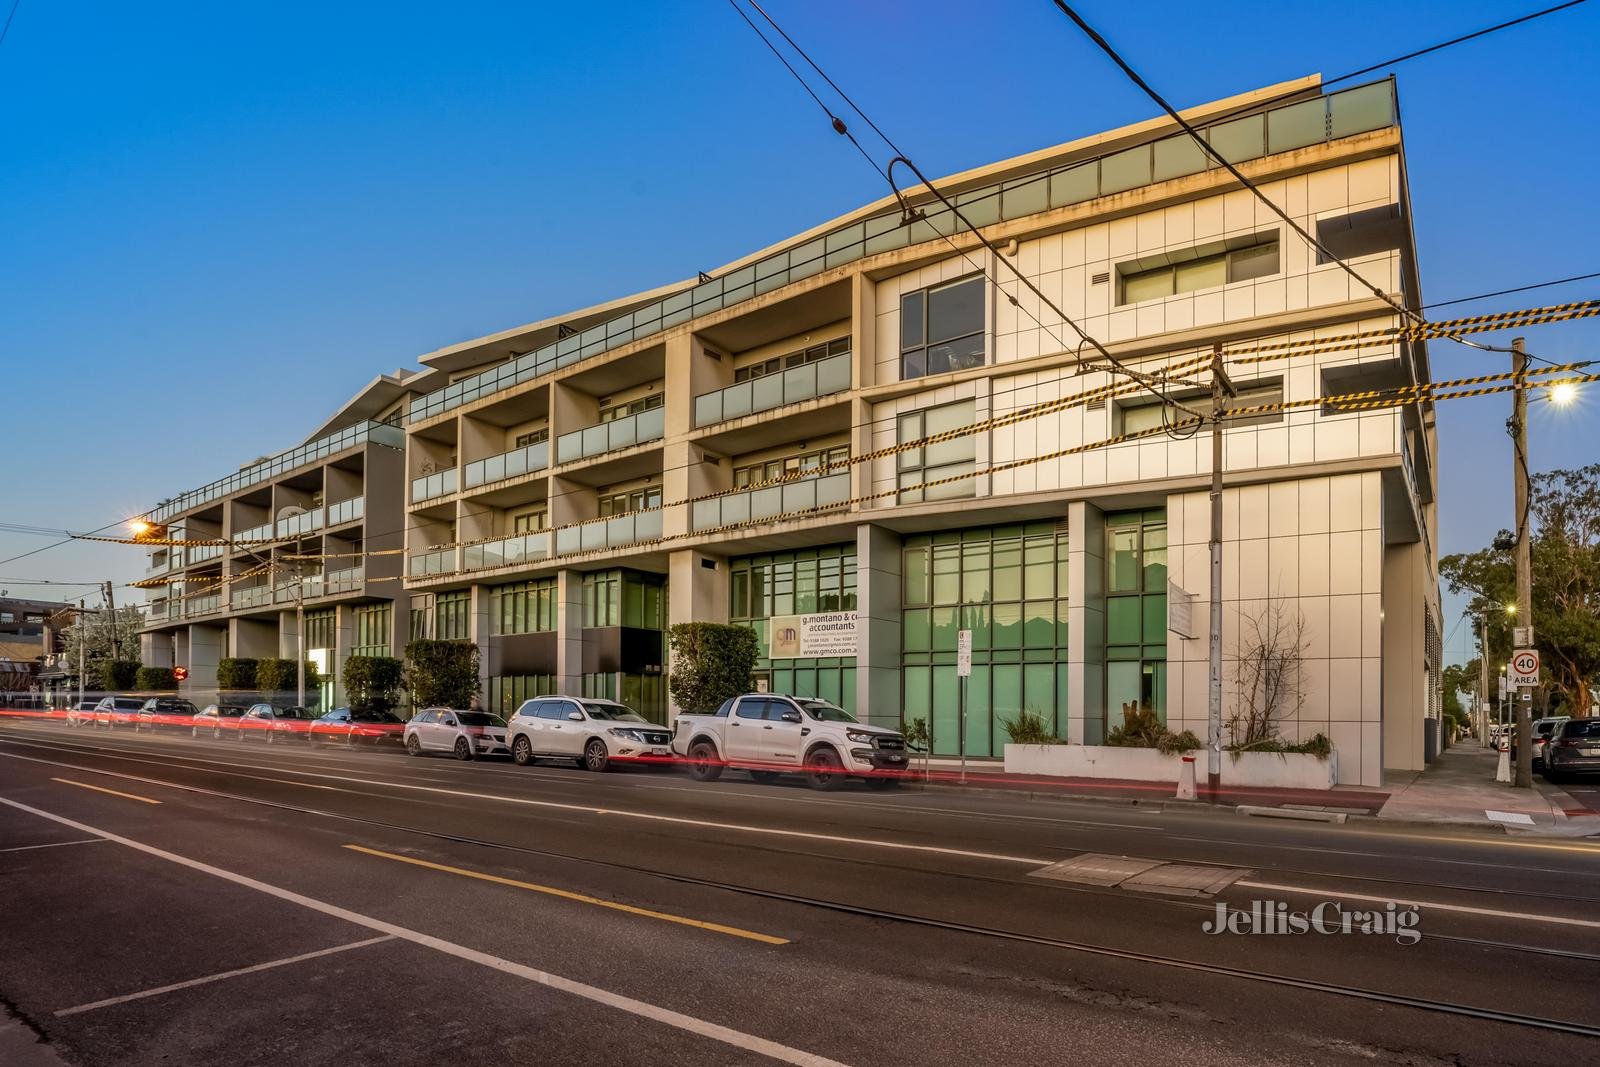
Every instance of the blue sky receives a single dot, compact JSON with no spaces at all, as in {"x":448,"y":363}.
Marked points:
{"x":222,"y":220}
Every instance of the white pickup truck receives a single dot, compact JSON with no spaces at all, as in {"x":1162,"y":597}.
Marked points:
{"x":769,"y":734}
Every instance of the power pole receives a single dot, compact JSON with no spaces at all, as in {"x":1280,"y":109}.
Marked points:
{"x":1221,"y":389}
{"x":79,"y":627}
{"x":1523,"y":697}
{"x":1483,"y":671}
{"x":111,"y":613}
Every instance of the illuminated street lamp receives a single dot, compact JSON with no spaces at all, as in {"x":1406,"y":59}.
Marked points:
{"x":1563,"y":394}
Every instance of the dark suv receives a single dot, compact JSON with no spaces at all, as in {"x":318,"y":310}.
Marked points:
{"x":1574,"y":748}
{"x":165,"y":711}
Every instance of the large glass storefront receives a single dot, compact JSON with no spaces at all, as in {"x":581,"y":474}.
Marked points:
{"x":805,"y":582}
{"x":1136,"y":612}
{"x":624,"y":634}
{"x":1008,"y":585}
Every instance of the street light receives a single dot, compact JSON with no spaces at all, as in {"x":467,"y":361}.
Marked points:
{"x":1563,"y":394}
{"x":1511,"y":609}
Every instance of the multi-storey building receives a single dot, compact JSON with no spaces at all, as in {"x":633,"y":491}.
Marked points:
{"x":314,"y":532}
{"x":726,"y":450}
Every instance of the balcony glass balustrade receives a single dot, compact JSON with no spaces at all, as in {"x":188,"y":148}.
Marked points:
{"x":202,"y":605}
{"x":202,"y":553}
{"x":439,"y":561}
{"x":255,"y":533}
{"x":434,"y":485}
{"x":512,"y":464}
{"x":817,"y":491}
{"x":283,"y":463}
{"x":626,"y":529}
{"x":249,"y":596}
{"x":343,"y":511}
{"x":611,"y":436}
{"x":831,"y":375}
{"x":523,"y":548}
{"x":1297,"y":125}
{"x":298,"y":525}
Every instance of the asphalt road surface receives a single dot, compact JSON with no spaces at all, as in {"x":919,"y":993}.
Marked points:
{"x":178,"y":901}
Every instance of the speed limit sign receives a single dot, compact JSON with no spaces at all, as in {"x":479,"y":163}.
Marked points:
{"x":1524,"y":668}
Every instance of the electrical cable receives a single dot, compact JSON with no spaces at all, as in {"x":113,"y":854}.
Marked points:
{"x":1453,"y":41}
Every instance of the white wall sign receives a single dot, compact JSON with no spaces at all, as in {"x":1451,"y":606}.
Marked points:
{"x":828,"y":633}
{"x":1180,"y":610}
{"x":1524,"y":668}
{"x":963,"y":653}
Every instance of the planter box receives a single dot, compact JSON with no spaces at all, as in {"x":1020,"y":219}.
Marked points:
{"x":1261,"y":769}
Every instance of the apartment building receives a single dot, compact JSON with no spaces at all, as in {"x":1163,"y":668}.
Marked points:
{"x":314,"y":533}
{"x":696,"y":452}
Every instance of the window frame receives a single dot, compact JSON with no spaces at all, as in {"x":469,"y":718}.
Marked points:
{"x":921,"y":343}
{"x":1226,"y":257}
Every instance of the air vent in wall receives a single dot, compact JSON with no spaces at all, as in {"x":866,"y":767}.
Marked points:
{"x":1101,"y":278}
{"x":1095,"y":405}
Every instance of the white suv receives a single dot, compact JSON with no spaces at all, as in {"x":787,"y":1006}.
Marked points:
{"x":465,"y":734}
{"x":593,"y":732}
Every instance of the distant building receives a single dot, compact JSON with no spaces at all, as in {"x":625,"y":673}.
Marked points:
{"x":25,"y":618}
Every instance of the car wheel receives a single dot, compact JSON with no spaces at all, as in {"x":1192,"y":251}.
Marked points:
{"x":413,"y":746}
{"x":764,"y":777}
{"x":595,"y":756}
{"x":522,"y":752}
{"x":1552,"y":776}
{"x":823,"y":770}
{"x":463,"y":749}
{"x":703,"y":763}
{"x":881,"y":784}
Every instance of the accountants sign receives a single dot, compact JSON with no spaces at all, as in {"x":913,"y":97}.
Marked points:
{"x":828,"y":633}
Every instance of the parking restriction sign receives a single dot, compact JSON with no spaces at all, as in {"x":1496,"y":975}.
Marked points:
{"x":1524,"y":668}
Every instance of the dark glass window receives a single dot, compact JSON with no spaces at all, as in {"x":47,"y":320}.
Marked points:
{"x":942,"y":328}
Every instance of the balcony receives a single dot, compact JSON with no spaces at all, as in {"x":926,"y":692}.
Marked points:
{"x":611,"y":436}
{"x":359,"y":434}
{"x":298,"y":525}
{"x":347,"y":580}
{"x":164,"y":612}
{"x":818,"y":491}
{"x":831,"y":375}
{"x":201,"y":553}
{"x":626,"y":529}
{"x":202,"y":605}
{"x":434,"y":485}
{"x":1283,"y":129}
{"x":513,"y":464}
{"x":250,"y":596}
{"x":524,"y":548}
{"x":345,"y":511}
{"x":426,"y":564}
{"x":255,"y":533}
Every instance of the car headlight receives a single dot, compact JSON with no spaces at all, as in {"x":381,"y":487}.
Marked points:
{"x":631,"y":735}
{"x":860,"y":737}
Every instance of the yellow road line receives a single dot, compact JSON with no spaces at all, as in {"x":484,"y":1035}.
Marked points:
{"x":734,"y":931}
{"x":103,"y":789}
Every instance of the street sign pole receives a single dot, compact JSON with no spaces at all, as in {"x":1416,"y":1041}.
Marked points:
{"x":963,"y":671}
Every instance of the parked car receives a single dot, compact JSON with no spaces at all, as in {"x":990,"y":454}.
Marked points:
{"x":117,"y":711}
{"x":767,"y":734}
{"x":593,"y":732}
{"x":1573,"y":749}
{"x":344,"y":724}
{"x":1540,"y":733}
{"x":165,"y":711}
{"x":216,"y":718}
{"x":82,"y":713}
{"x":465,"y":734}
{"x":274,"y":724}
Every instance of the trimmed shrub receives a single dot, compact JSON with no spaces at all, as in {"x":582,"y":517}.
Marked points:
{"x":441,"y":673}
{"x":710,"y":663}
{"x":1029,"y":728}
{"x":372,"y":683}
{"x":118,"y":674}
{"x":236,"y":673}
{"x":155,"y":679}
{"x":276,"y":675}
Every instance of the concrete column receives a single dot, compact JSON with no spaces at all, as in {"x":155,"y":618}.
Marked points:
{"x":569,"y":632}
{"x":288,"y":635}
{"x":1086,"y":623}
{"x":155,"y":650}
{"x":205,"y":649}
{"x":697,"y":591}
{"x":482,"y":629}
{"x":1404,"y":670}
{"x":878,"y":625}
{"x":253,"y":639}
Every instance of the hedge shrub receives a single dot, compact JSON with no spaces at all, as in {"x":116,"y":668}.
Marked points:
{"x":441,"y":673}
{"x":236,"y":673}
{"x":372,"y":683}
{"x":155,"y":680}
{"x":279,"y":676}
{"x":118,"y":674}
{"x":710,"y":663}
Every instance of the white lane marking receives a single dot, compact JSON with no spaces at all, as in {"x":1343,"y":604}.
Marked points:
{"x":656,"y":1013}
{"x":55,"y":844}
{"x":191,"y":983}
{"x":590,"y":809}
{"x":1557,"y":920}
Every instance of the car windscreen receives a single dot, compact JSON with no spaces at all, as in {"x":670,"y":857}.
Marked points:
{"x":1581,"y":728}
{"x":478,"y":718}
{"x":825,"y":712}
{"x":609,"y":712}
{"x":129,"y":705}
{"x":372,"y":716}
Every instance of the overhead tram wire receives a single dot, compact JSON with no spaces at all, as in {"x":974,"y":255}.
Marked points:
{"x":1454,"y":41}
{"x":1508,"y":292}
{"x":912,"y":215}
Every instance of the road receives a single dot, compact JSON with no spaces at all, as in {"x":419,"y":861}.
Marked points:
{"x":169,"y":900}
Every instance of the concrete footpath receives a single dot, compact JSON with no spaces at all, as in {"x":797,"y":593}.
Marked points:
{"x":1459,"y":789}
